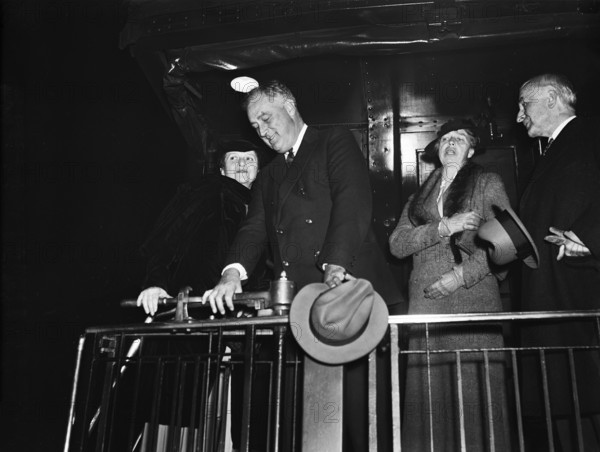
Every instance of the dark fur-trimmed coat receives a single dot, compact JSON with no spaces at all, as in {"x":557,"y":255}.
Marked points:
{"x":189,"y":242}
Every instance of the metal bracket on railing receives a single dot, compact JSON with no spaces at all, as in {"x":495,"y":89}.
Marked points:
{"x":181,"y":310}
{"x":108,"y":346}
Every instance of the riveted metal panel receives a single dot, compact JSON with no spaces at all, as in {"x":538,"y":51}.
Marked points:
{"x":380,"y":112}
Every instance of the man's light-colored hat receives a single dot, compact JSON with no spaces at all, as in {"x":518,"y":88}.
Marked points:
{"x":338,"y":325}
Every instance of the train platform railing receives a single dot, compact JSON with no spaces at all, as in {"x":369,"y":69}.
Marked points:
{"x":484,"y":376}
{"x":243,"y":384}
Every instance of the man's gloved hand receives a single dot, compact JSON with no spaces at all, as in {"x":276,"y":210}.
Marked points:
{"x":149,"y":297}
{"x":459,"y":222}
{"x":447,"y":284}
{"x":568,"y":242}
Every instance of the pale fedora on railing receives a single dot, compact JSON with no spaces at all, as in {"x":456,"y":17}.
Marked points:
{"x":509,"y":239}
{"x":338,"y":325}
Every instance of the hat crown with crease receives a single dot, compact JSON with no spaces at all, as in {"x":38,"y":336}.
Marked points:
{"x":334,"y":324}
{"x":341,"y":324}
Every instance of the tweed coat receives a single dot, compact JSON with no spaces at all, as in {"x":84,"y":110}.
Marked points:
{"x":316,"y":212}
{"x":564,"y":192}
{"x":432,"y":257}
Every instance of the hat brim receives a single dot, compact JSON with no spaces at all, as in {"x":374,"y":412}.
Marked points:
{"x":431,"y":150}
{"x":335,"y":354}
{"x":494,"y":232}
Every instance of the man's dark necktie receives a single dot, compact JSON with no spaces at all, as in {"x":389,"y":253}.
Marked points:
{"x":289,"y":158}
{"x":550,"y":141}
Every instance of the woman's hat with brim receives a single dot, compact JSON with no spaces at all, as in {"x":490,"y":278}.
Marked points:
{"x":431,"y":150}
{"x":341,"y":324}
{"x":237,"y":144}
{"x":509,"y":240}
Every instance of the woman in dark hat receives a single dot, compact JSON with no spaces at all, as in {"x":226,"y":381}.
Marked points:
{"x":451,"y":274}
{"x":188,"y":244}
{"x":187,"y":247}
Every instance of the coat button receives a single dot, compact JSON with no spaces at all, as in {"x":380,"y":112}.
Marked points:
{"x":308,"y":221}
{"x":286,"y":263}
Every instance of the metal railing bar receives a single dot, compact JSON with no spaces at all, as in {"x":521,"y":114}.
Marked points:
{"x":86,"y":409}
{"x":296,"y":364}
{"x":247,"y":392}
{"x":224,"y":398}
{"x":238,"y":324}
{"x":546,"y":401}
{"x":488,"y":395}
{"x":106,"y":398}
{"x":518,"y":401}
{"x":395,"y":369}
{"x":191,"y":440}
{"x":177,"y":406}
{"x":270,"y":408}
{"x":278,"y":385}
{"x":122,"y":362}
{"x":136,"y":391}
{"x":71,"y":421}
{"x":207,"y":412}
{"x":412,"y":319}
{"x":429,"y":401}
{"x":576,"y":401}
{"x":505,"y":349}
{"x":372,"y":395}
{"x":153,"y":425}
{"x":461,"y":407}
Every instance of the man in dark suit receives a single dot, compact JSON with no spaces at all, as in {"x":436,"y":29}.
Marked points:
{"x":315,"y":212}
{"x":312,"y":205}
{"x":561,"y":209}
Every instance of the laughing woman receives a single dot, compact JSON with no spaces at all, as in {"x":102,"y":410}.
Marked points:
{"x":451,"y":274}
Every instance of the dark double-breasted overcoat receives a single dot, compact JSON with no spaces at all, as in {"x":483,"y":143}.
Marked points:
{"x":318,"y":211}
{"x":564,"y":192}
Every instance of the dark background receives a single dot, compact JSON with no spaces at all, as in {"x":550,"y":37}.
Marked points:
{"x":90,"y":157}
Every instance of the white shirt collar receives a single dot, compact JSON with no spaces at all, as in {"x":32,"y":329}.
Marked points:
{"x":560,"y":127}
{"x":299,"y":140}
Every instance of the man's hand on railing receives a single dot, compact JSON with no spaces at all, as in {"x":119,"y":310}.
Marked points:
{"x":568,"y":242}
{"x":149,"y":297}
{"x":222,"y":293}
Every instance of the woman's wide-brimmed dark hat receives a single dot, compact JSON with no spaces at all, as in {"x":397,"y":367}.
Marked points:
{"x":338,"y":325}
{"x":431,"y":150}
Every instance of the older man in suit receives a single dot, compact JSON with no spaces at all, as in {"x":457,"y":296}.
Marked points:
{"x":312,"y":205}
{"x":561,"y":209}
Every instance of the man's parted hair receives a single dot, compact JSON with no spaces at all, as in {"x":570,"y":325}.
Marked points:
{"x":270,"y":89}
{"x":562,"y":85}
